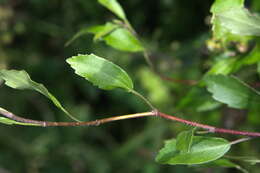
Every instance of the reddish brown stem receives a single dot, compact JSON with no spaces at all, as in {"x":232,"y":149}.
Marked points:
{"x":211,"y":129}
{"x":207,"y":127}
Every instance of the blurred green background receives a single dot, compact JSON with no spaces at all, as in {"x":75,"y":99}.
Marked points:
{"x":32,"y":37}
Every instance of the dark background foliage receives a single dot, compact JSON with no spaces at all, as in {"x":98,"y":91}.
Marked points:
{"x":32,"y":37}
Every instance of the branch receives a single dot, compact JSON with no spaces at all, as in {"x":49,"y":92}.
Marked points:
{"x":211,"y":129}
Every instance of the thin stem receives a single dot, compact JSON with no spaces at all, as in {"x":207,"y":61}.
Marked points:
{"x":143,"y":98}
{"x":148,"y":60}
{"x":211,"y":129}
{"x":241,"y":140}
{"x":155,"y":112}
{"x":16,"y":118}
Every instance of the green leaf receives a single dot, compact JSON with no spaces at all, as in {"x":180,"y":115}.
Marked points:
{"x":113,"y":35}
{"x":231,"y":91}
{"x":100,"y":72}
{"x":115,"y":7}
{"x":232,"y":17}
{"x":123,"y":40}
{"x":224,"y":66}
{"x":220,"y":32}
{"x":224,"y":5}
{"x":203,"y":150}
{"x":106,"y":30}
{"x":240,"y":21}
{"x":184,"y":141}
{"x":21,"y":80}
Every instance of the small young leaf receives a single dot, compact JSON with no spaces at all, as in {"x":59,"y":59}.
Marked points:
{"x":113,"y":35}
{"x":21,"y":80}
{"x":231,"y":91}
{"x":106,"y":30}
{"x":114,"y":6}
{"x":203,"y":150}
{"x":100,"y":72}
{"x":123,"y":40}
{"x":184,"y":141}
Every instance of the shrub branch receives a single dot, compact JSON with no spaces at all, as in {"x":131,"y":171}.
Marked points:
{"x":153,"y":113}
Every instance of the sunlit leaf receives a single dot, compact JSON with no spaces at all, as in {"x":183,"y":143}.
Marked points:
{"x":220,"y":32}
{"x":231,"y":91}
{"x":203,"y":150}
{"x":240,"y":21}
{"x":21,"y":80}
{"x":124,"y":40}
{"x":224,"y":5}
{"x":232,"y":22}
{"x":113,"y":6}
{"x":100,"y":72}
